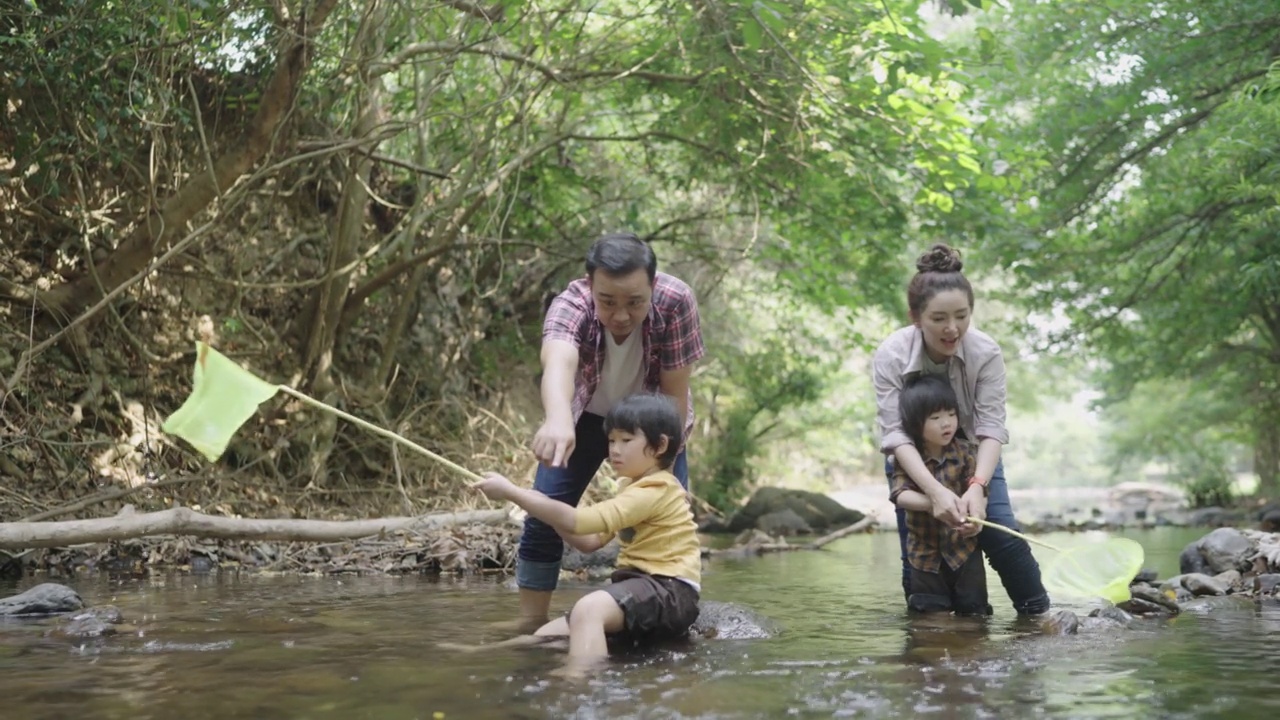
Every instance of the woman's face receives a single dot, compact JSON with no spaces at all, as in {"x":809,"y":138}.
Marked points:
{"x":944,"y":322}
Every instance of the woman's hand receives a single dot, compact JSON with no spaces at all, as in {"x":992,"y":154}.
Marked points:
{"x":974,"y":504}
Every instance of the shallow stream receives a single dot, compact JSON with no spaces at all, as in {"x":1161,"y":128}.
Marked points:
{"x":253,"y":646}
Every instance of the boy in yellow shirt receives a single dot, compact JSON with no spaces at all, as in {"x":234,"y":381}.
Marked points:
{"x":654,"y":593}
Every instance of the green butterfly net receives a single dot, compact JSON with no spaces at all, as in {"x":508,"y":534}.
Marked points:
{"x":223,"y":397}
{"x":1102,"y":569}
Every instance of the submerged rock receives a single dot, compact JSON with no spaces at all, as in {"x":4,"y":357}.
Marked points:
{"x":1060,"y":622}
{"x":1112,"y":615}
{"x":92,"y":622}
{"x":43,"y":599}
{"x":730,"y":621}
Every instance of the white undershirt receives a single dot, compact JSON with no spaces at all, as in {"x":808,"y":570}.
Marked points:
{"x":620,"y":375}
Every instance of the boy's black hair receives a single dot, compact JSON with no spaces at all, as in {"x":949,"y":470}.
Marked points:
{"x":619,"y":254}
{"x":920,"y":398}
{"x":651,"y":415}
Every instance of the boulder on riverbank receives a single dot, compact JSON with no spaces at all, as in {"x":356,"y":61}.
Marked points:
{"x":1246,"y":567}
{"x":1225,"y":568}
{"x":786,"y":511}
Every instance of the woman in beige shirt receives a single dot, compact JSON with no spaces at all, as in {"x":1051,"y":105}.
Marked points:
{"x":940,"y":341}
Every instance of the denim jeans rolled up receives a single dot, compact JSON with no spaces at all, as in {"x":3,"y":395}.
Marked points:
{"x":1010,"y":556}
{"x":541,"y":548}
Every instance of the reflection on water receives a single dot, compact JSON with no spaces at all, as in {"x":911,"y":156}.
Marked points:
{"x":291,"y":647}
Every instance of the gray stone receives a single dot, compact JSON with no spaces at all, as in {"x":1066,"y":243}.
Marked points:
{"x":1225,"y":549}
{"x":753,"y":538}
{"x":1060,"y":622}
{"x":1113,"y":614}
{"x":92,"y":622}
{"x":783,"y":522}
{"x":1220,"y":603}
{"x":819,"y":511}
{"x":1146,"y":575}
{"x":731,"y":621}
{"x":1266,"y":583}
{"x":1191,"y":560}
{"x":1231,"y":579}
{"x":43,"y":599}
{"x":1201,"y":584}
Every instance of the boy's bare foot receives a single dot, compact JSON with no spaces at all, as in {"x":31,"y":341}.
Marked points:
{"x":518,"y":641}
{"x":459,"y":647}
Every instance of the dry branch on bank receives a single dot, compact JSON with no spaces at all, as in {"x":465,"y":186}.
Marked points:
{"x":184,"y":521}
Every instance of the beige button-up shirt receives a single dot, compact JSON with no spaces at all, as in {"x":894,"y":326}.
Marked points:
{"x":976,"y":373}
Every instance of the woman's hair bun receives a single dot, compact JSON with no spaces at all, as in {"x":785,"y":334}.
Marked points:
{"x":941,"y":258}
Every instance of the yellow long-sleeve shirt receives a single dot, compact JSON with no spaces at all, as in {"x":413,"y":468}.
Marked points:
{"x":654,"y":524}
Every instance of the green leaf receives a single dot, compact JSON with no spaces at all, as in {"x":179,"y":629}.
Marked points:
{"x":753,"y":34}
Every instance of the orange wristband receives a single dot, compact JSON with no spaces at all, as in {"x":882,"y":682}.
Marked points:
{"x":975,"y":480}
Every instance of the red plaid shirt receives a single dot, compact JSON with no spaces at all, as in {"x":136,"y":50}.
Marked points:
{"x":929,"y":542}
{"x":671,"y":333}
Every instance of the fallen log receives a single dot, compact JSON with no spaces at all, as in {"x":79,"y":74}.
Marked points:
{"x":185,"y":521}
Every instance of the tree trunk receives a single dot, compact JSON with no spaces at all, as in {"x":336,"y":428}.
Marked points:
{"x":1266,"y":457}
{"x":170,"y":220}
{"x":184,"y":521}
{"x":331,"y":295}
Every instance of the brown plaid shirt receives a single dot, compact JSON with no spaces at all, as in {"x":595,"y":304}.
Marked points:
{"x":929,"y":542}
{"x":672,"y":335}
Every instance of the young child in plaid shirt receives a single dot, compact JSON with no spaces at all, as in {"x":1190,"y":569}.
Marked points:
{"x":947,"y":573}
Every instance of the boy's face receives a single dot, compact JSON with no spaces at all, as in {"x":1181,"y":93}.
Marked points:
{"x":630,"y":454}
{"x":939,"y":429}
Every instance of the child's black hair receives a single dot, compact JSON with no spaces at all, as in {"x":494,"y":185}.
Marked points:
{"x":653,"y":416}
{"x":920,"y":398}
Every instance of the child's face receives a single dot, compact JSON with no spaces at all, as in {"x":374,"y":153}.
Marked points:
{"x":940,"y":428}
{"x":630,"y":454}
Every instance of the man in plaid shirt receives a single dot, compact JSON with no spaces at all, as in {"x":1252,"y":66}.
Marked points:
{"x":621,"y":329}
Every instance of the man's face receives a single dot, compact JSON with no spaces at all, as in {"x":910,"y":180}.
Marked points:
{"x":622,"y":301}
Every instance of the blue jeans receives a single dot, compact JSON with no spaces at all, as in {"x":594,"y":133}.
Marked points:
{"x":538,"y":559}
{"x":1010,"y":556}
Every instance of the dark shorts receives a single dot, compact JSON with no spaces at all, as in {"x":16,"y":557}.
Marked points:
{"x":655,"y":607}
{"x":963,"y":590}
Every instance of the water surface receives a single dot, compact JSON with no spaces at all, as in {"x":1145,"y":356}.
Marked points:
{"x":253,"y":646}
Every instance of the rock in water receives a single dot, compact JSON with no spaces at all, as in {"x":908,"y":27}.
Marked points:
{"x":43,"y":599}
{"x":1224,"y":549}
{"x":1060,"y":622}
{"x":730,"y":621}
{"x":93,"y":622}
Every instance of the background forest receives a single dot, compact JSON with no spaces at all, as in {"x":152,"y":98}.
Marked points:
{"x":371,"y":200}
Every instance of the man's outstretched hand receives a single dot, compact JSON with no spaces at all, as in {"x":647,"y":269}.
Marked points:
{"x":554,"y":443}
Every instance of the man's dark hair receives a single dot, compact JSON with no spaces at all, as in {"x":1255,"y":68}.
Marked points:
{"x":618,"y":254}
{"x":651,"y":415}
{"x":922,"y":397}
